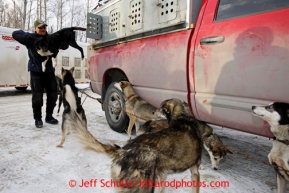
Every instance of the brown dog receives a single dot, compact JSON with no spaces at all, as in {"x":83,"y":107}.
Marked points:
{"x":211,"y":142}
{"x":151,"y":157}
{"x":216,"y":149}
{"x":138,"y":110}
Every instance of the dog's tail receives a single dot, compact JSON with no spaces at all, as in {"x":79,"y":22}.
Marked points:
{"x":78,"y":28}
{"x":86,"y":138}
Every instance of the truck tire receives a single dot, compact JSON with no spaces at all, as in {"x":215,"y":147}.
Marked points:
{"x":114,"y":109}
{"x":21,"y":88}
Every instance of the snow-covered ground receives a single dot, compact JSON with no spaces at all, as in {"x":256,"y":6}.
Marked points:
{"x":31,"y":162}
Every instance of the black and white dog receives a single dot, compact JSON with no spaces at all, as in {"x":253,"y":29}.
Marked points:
{"x":49,"y":45}
{"x":71,"y":102}
{"x":277,"y":115}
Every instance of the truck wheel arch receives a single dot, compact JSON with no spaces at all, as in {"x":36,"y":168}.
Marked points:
{"x":110,"y":76}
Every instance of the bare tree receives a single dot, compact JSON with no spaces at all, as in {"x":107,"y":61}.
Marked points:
{"x":57,"y":13}
{"x":2,"y":13}
{"x":29,"y":14}
{"x":60,"y":13}
{"x":72,"y":11}
{"x":37,"y":8}
{"x":45,"y":10}
{"x":58,"y":9}
{"x":24,"y":14}
{"x":14,"y":14}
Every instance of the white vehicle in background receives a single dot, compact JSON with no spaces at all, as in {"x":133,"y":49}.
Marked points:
{"x":14,"y":60}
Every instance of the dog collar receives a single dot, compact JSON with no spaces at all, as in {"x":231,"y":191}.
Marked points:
{"x":130,"y":96}
{"x":286,"y":142}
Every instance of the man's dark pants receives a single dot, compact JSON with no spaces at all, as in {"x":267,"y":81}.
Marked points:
{"x":41,"y":82}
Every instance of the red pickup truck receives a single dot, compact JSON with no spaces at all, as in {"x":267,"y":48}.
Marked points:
{"x":220,"y":56}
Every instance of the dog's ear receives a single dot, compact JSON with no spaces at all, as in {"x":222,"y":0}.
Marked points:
{"x":287,"y":112}
{"x":63,"y":72}
{"x":166,"y":110}
{"x":71,"y":70}
{"x":164,"y":103}
{"x":123,"y":84}
{"x":208,"y":144}
{"x":185,"y":103}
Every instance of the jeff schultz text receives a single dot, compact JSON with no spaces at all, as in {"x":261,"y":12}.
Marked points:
{"x":103,"y":183}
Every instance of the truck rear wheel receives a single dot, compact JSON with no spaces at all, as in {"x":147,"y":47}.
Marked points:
{"x":114,"y":109}
{"x":21,"y":88}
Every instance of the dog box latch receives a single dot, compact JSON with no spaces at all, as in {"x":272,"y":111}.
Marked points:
{"x":94,"y":26}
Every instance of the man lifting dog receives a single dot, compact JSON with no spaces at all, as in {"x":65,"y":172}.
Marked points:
{"x":39,"y":80}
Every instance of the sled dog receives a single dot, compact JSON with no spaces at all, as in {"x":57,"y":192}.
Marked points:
{"x":71,"y":102}
{"x":137,"y":109}
{"x":151,"y":157}
{"x":49,"y":45}
{"x":211,"y":142}
{"x":277,"y":115}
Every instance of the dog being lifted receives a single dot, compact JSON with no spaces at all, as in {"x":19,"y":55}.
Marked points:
{"x":71,"y":101}
{"x":49,"y":46}
{"x":277,"y":115}
{"x":149,"y":158}
{"x":211,"y":142}
{"x":137,"y":109}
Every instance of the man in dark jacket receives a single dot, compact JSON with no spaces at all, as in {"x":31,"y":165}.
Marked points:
{"x":39,"y":80}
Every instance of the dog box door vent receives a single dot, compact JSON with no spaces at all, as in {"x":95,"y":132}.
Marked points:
{"x":136,"y":15}
{"x":94,"y":26}
{"x":65,"y":61}
{"x":126,"y":20}
{"x":77,"y":74}
{"x":167,"y":10}
{"x":86,"y":74}
{"x":77,"y":62}
{"x":114,"y":23}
